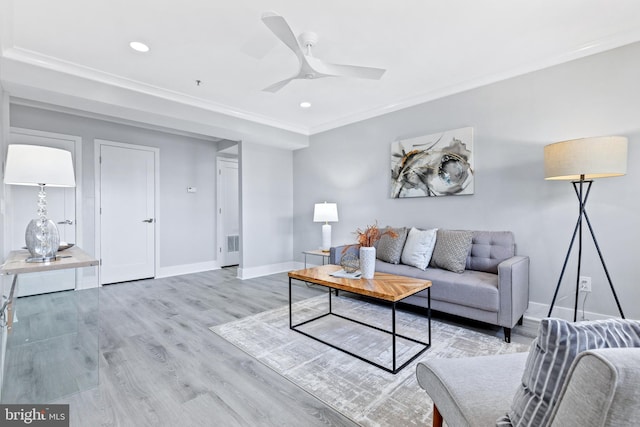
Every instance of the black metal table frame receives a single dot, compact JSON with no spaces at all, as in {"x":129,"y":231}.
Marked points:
{"x":394,"y":369}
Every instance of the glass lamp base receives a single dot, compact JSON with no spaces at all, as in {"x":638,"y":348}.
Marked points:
{"x":43,"y":240}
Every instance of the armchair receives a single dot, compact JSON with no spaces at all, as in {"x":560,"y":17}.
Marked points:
{"x":589,"y":379}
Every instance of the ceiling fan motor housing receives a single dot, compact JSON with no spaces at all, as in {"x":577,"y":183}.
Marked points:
{"x":308,"y":39}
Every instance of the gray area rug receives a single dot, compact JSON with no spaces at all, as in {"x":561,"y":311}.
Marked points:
{"x":362,"y":392}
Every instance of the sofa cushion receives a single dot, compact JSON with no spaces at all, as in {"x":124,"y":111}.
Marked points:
{"x":490,"y":248}
{"x":419,"y":247}
{"x":475,"y":289}
{"x":452,"y":249}
{"x":447,"y":382}
{"x":551,"y":355}
{"x":389,"y":248}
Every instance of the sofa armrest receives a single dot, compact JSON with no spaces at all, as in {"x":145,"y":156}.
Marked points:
{"x":601,"y":389}
{"x":337,"y":252}
{"x":513,"y":288}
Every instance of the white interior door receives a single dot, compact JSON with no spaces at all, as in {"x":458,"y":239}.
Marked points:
{"x":61,"y":209}
{"x":127,"y":212}
{"x":228,"y":212}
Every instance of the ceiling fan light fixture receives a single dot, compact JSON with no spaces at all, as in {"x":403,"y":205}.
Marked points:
{"x":311,"y":68}
{"x":139,"y":46}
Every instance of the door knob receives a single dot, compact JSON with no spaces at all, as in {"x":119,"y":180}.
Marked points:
{"x":149,"y":220}
{"x":66,"y":222}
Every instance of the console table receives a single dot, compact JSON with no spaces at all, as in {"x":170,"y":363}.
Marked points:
{"x":50,"y":329}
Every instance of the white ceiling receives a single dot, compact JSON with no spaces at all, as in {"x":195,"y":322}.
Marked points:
{"x":429,"y":48}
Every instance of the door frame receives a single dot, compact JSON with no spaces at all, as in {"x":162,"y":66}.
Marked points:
{"x":98,"y":143}
{"x":219,"y":192}
{"x":77,"y":165}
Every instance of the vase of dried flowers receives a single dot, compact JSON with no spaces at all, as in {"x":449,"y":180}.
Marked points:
{"x":367,"y":238}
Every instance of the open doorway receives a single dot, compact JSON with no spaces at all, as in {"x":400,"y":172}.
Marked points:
{"x":228,"y":203}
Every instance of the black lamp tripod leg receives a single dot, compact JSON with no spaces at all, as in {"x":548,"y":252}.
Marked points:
{"x":564,"y":267}
{"x":577,"y":186}
{"x":604,"y":266}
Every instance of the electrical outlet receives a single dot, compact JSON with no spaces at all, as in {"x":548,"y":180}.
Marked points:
{"x":585,"y":284}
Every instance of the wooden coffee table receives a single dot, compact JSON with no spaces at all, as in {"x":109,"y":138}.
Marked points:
{"x":383,"y":287}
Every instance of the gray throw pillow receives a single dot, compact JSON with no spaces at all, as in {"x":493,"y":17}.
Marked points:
{"x":389,"y":248}
{"x":452,"y":249}
{"x":552,"y":352}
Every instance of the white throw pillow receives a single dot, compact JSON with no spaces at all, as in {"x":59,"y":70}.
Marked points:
{"x":419,"y":247}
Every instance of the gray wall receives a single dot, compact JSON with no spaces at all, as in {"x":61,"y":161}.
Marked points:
{"x":187,"y":220}
{"x":267,"y":206}
{"x":513,"y":120}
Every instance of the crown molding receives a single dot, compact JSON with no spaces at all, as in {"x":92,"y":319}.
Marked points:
{"x":91,"y":74}
{"x":613,"y":42}
{"x":78,"y":71}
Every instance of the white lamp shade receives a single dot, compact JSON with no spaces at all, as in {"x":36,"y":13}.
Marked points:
{"x":325,"y":212}
{"x":34,"y":165}
{"x":599,"y":157}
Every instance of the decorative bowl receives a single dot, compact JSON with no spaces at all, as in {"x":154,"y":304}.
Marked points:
{"x":350,"y":263}
{"x":65,"y":245}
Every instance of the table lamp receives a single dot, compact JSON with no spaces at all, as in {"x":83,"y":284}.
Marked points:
{"x":581,"y":161}
{"x":325,"y":212}
{"x":40,"y":166}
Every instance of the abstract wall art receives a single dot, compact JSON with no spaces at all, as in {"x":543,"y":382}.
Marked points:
{"x":433,"y":165}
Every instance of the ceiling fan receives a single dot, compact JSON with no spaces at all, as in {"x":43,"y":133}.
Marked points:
{"x":311,"y":67}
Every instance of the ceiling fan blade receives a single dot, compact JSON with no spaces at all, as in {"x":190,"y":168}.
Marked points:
{"x":277,"y":86}
{"x":345,"y":70}
{"x":282,"y":30}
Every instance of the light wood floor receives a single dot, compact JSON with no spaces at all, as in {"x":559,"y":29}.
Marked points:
{"x":160,"y":365}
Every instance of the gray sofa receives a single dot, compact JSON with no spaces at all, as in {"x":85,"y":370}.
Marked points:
{"x":494,"y":287}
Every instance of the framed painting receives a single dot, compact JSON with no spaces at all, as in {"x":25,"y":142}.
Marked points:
{"x":433,"y":165}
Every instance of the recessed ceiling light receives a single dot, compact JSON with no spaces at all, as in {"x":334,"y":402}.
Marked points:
{"x":305,"y":104}
{"x":139,"y":46}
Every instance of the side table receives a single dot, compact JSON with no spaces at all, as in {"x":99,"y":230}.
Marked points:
{"x":316,"y":252}
{"x":51,"y":350}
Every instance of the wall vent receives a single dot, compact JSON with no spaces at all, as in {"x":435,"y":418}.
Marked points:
{"x":233,"y":243}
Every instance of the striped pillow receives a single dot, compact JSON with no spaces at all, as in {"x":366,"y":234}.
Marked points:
{"x":551,"y":355}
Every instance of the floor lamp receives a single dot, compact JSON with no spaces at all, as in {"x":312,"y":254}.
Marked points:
{"x":581,"y":161}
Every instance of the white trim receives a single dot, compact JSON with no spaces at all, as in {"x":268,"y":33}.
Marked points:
{"x":93,"y":75}
{"x":178,"y":270}
{"x":24,"y":102}
{"x":612,"y":42}
{"x":96,"y":159}
{"x":265,"y":270}
{"x":538,"y":311}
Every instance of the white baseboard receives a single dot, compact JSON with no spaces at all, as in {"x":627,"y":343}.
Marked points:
{"x":265,"y":270}
{"x":538,"y":311}
{"x":177,"y":270}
